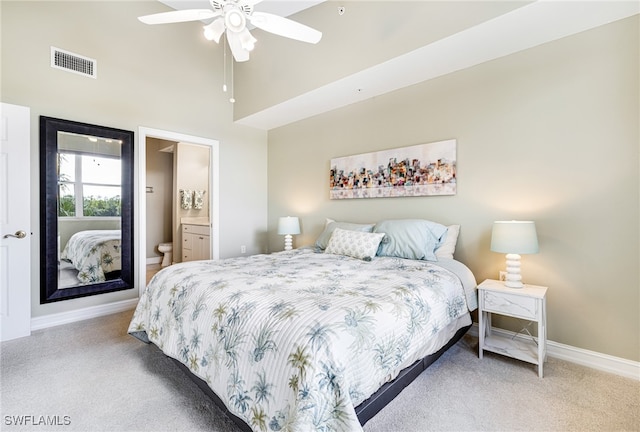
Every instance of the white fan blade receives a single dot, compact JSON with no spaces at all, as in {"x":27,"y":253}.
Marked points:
{"x":214,"y":30}
{"x":250,"y":3}
{"x":179,"y":16}
{"x":285,"y":27}
{"x":239,"y":53}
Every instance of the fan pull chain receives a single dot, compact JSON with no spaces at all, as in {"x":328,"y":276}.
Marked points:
{"x":232,"y":99}
{"x":224,"y":63}
{"x":224,"y":69}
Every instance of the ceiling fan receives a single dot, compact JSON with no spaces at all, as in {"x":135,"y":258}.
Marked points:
{"x":230,"y":17}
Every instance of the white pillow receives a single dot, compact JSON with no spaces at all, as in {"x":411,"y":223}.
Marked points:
{"x":356,"y":244}
{"x":448,"y":246}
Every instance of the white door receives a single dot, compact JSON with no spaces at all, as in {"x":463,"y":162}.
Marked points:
{"x":15,"y":222}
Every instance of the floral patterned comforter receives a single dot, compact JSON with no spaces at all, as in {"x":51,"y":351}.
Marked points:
{"x":294,"y":341}
{"x":94,"y":253}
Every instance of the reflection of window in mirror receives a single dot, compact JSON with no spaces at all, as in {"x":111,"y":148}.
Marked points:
{"x":90,"y":185}
{"x":89,"y":176}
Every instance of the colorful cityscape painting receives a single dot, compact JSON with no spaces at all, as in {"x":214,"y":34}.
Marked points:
{"x":418,"y":170}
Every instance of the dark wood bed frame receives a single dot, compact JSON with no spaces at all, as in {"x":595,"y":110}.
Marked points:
{"x":367,"y":409}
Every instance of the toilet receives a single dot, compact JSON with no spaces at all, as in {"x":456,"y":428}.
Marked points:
{"x":165,"y":248}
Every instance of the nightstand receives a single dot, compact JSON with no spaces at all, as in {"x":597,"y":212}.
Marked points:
{"x":527,"y":303}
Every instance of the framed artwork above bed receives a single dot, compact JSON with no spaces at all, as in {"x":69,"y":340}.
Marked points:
{"x":418,"y":170}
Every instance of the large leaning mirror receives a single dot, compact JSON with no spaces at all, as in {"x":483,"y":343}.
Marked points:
{"x":86,"y":209}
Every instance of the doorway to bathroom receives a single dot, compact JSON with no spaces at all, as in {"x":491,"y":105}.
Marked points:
{"x":178,"y":187}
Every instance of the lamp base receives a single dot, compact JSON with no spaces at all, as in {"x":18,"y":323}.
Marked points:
{"x":288,"y":242}
{"x":513,"y":284}
{"x":513,"y":279}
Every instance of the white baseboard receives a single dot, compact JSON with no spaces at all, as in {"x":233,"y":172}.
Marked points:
{"x":154,"y":260}
{"x":57,"y":319}
{"x":592,"y":359}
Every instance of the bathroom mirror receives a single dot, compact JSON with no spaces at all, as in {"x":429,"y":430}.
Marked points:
{"x":86,"y":209}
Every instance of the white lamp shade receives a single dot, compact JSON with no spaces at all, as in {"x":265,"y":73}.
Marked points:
{"x":288,"y":225}
{"x":514,"y":237}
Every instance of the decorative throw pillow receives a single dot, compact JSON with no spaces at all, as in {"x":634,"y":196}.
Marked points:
{"x":355,"y":244}
{"x":448,"y":242}
{"x":331,"y":225}
{"x":410,"y":238}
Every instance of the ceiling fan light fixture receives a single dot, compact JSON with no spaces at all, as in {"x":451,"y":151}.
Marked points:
{"x":214,"y":30}
{"x":247,"y":40}
{"x":234,"y":20}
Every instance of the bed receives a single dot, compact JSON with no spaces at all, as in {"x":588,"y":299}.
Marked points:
{"x":96,"y":254}
{"x":307,"y":339}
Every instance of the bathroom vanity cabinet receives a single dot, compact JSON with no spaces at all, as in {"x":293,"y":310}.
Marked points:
{"x":196,"y":242}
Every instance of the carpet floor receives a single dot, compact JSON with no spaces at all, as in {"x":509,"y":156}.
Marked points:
{"x":92,"y":376}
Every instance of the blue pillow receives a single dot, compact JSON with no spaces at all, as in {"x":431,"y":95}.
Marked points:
{"x":410,"y":238}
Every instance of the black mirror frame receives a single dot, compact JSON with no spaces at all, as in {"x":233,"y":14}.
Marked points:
{"x":49,"y":128}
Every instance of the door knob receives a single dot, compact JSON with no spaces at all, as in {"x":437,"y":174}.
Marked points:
{"x":19,"y":234}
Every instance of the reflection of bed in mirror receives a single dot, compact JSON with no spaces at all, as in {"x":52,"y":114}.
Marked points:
{"x":92,"y":256}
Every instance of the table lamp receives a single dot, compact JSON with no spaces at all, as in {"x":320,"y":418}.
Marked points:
{"x":514,"y":238}
{"x":288,"y":225}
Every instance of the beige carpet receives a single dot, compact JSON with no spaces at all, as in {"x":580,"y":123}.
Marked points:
{"x":92,"y":376}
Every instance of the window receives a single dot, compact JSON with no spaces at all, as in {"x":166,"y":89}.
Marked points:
{"x":89,"y":185}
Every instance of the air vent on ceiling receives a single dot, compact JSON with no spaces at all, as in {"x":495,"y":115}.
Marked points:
{"x":65,"y":60}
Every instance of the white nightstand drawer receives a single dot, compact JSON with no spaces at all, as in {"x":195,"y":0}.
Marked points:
{"x":511,"y":304}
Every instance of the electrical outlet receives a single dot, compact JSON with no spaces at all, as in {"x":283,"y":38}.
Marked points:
{"x":503,"y":275}
{"x":243,"y":249}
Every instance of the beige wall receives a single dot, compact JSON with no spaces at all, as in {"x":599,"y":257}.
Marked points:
{"x":159,"y":176}
{"x":548,"y":134}
{"x":162,"y":77}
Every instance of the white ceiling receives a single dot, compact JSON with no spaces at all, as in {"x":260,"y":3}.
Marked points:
{"x":278,"y":7}
{"x":526,"y":27}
